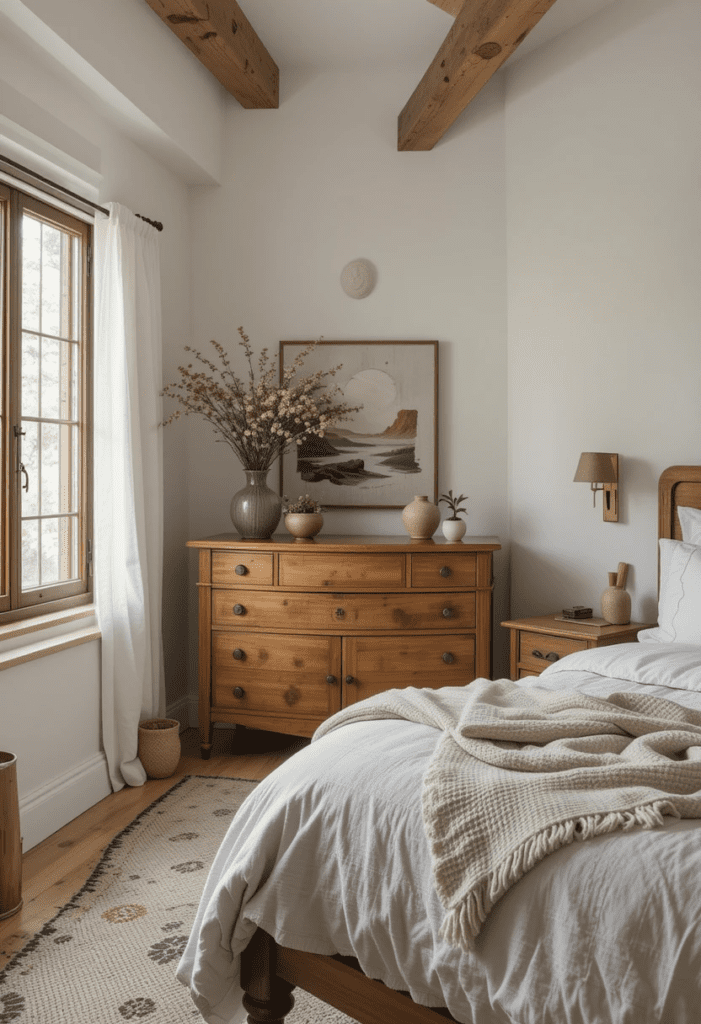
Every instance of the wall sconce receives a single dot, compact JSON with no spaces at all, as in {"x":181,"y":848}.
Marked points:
{"x":601,"y":468}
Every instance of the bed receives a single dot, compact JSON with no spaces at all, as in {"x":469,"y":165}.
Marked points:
{"x":335,"y":894}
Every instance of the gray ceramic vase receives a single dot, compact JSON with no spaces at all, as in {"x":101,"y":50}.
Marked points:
{"x":256,"y":509}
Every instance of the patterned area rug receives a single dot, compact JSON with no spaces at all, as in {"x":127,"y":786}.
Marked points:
{"x":110,"y":954}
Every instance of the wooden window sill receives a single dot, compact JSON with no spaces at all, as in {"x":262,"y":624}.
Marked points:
{"x":46,"y":634}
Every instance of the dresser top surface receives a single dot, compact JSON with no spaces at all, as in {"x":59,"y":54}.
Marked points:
{"x":342,"y":542}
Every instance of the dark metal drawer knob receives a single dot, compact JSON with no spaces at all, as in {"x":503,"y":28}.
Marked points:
{"x":448,"y":613}
{"x":239,"y":609}
{"x":240,"y":570}
{"x":445,"y":570}
{"x":340,"y":612}
{"x":331,"y":680}
{"x":350,"y":679}
{"x":239,"y":691}
{"x":448,"y":658}
{"x":239,"y":654}
{"x":552,"y":656}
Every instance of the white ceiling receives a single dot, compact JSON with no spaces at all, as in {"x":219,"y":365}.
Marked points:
{"x":373,"y":35}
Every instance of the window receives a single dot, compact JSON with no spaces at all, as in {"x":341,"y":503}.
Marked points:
{"x":44,"y":407}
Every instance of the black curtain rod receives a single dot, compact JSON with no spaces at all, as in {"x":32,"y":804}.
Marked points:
{"x":31,"y":177}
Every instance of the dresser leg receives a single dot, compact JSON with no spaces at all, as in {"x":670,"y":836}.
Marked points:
{"x":206,"y":751}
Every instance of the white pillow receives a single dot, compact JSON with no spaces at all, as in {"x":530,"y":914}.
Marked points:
{"x":690,"y":520}
{"x":679,"y":609}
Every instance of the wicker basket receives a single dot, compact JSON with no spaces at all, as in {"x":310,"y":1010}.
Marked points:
{"x":159,"y":746}
{"x":10,"y":839}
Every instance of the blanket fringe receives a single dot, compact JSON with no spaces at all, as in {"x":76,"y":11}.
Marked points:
{"x":464,"y":921}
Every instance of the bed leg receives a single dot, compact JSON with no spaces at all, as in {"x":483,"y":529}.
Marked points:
{"x":267,"y":998}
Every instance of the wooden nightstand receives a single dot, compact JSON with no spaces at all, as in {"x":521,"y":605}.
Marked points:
{"x":539,"y":641}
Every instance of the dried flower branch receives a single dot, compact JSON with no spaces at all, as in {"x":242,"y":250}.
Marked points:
{"x":304,"y":504}
{"x":262,"y":418}
{"x":453,"y":503}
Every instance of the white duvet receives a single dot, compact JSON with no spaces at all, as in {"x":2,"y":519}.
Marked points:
{"x":329,"y":855}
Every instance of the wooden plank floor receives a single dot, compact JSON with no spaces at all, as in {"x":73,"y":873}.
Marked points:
{"x":55,"y":869}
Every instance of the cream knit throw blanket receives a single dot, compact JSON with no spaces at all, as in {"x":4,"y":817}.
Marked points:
{"x":520,"y":772}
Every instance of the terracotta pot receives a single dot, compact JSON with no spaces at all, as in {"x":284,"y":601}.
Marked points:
{"x":304,"y":525}
{"x":453,"y":529}
{"x":421,"y":518}
{"x":159,"y":746}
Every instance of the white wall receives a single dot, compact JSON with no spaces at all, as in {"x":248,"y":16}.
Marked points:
{"x":49,"y":708}
{"x":604,"y":247}
{"x":317,"y":183}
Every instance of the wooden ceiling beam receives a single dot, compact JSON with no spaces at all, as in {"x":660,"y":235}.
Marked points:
{"x":452,"y":7}
{"x":223,"y":39}
{"x":483,"y":36}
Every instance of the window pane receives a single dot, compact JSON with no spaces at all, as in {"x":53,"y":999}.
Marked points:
{"x":68,"y":548}
{"x":30,"y":461}
{"x":49,"y":378}
{"x":49,"y":469}
{"x":77,"y":276}
{"x":67,"y":379}
{"x":49,"y":551}
{"x":75,"y":479}
{"x":30,"y":554}
{"x":67,"y":497}
{"x":30,"y":375}
{"x":50,"y":280}
{"x":31,"y":272}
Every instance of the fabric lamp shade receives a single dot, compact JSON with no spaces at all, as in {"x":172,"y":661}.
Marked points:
{"x":595,"y":467}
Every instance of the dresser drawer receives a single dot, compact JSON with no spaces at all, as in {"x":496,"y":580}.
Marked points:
{"x":275,"y":609}
{"x":242,"y":568}
{"x":377,"y":663}
{"x":443,"y":569}
{"x":538,"y":650}
{"x":325,"y":570}
{"x":259,"y":672}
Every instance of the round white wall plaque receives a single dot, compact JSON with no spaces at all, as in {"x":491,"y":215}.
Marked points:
{"x":358,"y":278}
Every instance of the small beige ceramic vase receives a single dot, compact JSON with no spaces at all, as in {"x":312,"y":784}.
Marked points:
{"x":421,"y":518}
{"x":615,"y":603}
{"x":304,"y":525}
{"x":453,"y":530}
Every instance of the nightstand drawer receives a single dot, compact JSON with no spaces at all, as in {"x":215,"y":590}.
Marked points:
{"x":538,"y":650}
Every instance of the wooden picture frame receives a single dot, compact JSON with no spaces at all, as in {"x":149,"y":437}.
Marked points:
{"x":388,"y":452}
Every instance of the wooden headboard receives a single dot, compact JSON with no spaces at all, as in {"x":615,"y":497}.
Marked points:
{"x":679,"y":485}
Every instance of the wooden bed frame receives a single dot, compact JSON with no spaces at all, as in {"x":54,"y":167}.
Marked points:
{"x":270,"y":972}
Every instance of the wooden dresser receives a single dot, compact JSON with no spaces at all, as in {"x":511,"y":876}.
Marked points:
{"x":291,"y":632}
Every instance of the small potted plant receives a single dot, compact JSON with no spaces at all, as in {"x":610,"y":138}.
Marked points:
{"x":303,"y":517}
{"x":453,"y":527}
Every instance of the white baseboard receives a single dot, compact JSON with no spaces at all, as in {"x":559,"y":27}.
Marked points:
{"x":50,"y":807}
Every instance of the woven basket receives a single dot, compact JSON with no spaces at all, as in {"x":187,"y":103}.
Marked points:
{"x":10,"y":839}
{"x":159,"y":746}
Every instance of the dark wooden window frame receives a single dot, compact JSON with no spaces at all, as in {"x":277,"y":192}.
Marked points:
{"x":15,"y":604}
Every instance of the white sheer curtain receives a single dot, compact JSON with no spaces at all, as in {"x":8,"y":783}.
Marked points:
{"x":128,"y":461}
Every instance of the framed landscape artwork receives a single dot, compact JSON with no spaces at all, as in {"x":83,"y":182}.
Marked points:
{"x":388,"y":451}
